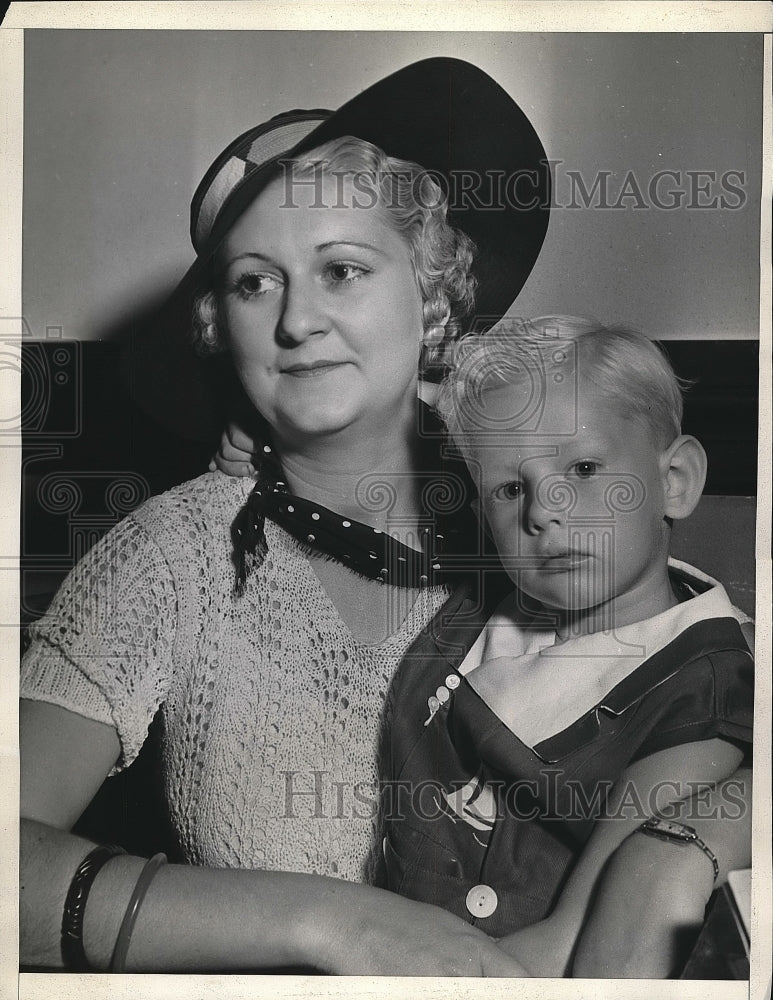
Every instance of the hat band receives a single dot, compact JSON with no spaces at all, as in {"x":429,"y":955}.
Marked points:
{"x":255,"y":152}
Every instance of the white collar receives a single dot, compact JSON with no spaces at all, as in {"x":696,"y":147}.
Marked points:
{"x":537,"y":689}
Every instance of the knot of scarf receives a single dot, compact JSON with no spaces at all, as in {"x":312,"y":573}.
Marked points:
{"x":365,"y":550}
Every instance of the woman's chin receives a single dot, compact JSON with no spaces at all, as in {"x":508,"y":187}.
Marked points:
{"x":314,"y":422}
{"x":319,"y":418}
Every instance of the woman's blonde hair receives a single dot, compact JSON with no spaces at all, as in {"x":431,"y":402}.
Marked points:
{"x":416,"y":206}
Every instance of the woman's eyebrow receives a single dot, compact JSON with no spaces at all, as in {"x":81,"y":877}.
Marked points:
{"x":319,"y":248}
{"x":349,"y":243}
{"x":248,"y":255}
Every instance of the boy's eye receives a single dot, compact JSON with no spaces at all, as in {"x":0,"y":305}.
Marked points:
{"x":584,"y":470}
{"x":508,"y":491}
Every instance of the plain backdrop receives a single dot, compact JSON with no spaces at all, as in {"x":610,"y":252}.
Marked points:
{"x":120,"y":125}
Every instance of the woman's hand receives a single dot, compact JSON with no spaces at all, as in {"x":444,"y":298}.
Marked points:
{"x":234,"y":456}
{"x":362,"y":931}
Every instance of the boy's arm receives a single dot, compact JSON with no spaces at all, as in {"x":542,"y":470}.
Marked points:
{"x":591,"y":936}
{"x":234,"y":455}
{"x":652,"y":895}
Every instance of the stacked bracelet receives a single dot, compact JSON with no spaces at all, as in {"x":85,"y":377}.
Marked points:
{"x":75,"y":905}
{"x":118,"y":962}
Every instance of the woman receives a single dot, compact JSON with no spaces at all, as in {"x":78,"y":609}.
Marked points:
{"x":326,"y":274}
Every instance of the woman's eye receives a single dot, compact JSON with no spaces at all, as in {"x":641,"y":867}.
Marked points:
{"x":248,"y":286}
{"x":508,"y":491}
{"x":341,"y":273}
{"x":584,"y":470}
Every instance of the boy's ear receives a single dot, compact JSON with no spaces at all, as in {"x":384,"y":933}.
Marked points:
{"x":683,"y":467}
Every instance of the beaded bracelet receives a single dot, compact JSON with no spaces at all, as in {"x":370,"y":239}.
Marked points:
{"x":118,"y":961}
{"x":75,"y":905}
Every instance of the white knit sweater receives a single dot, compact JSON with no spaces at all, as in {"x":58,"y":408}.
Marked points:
{"x":272,"y":709}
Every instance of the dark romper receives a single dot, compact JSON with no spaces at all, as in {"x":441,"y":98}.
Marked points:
{"x":698,"y":687}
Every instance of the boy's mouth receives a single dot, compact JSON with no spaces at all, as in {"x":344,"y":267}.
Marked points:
{"x":563,"y":562}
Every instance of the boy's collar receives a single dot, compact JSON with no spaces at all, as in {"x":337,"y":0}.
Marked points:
{"x":520,"y":673}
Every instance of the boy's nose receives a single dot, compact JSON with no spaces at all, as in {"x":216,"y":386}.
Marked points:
{"x":303,"y":314}
{"x":539,"y":519}
{"x":544,"y":510}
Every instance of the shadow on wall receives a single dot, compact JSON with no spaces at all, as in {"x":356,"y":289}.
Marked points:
{"x":107,"y":424}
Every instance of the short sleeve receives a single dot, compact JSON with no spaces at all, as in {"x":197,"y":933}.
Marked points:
{"x":710,"y":697}
{"x":104,"y":648}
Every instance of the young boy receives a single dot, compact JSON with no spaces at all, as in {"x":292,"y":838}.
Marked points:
{"x":606,"y":685}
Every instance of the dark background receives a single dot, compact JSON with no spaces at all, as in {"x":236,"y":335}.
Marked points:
{"x":98,"y":415}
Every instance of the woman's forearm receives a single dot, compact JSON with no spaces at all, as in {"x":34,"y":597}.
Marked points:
{"x":192,"y":919}
{"x":210,"y":920}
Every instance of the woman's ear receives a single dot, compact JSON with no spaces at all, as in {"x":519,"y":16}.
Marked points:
{"x":683,"y":468}
{"x":434,"y":332}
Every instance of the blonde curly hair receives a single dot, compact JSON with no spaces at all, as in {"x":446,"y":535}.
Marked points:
{"x":415,"y":204}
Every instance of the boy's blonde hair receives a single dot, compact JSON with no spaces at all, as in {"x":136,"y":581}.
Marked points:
{"x":625,"y":366}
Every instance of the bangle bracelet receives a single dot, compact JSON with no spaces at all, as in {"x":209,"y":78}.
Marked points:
{"x":678,"y":833}
{"x":118,"y":961}
{"x":75,"y":905}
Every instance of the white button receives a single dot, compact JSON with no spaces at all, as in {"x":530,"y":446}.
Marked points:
{"x":452,"y":681}
{"x":481,"y":901}
{"x":442,"y":694}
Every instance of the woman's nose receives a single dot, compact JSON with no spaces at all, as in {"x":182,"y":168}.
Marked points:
{"x":303,"y":314}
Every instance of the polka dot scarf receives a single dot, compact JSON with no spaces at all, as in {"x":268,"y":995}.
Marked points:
{"x":447,"y":529}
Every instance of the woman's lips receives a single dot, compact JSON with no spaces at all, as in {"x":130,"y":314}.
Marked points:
{"x":312,"y":369}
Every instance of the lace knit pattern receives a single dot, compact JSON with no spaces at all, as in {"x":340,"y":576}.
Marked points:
{"x":272,"y":710}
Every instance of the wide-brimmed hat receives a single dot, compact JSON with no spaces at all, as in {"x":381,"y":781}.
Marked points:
{"x":444,"y":114}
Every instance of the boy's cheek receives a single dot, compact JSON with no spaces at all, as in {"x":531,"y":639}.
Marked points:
{"x":505,"y":533}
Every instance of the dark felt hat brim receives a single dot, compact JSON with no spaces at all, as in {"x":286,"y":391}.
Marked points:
{"x":458,"y":123}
